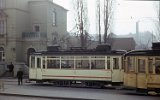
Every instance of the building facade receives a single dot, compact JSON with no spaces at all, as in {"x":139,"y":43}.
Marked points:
{"x":29,"y":25}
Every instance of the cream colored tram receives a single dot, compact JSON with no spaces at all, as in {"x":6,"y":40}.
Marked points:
{"x":142,"y":70}
{"x":66,"y":67}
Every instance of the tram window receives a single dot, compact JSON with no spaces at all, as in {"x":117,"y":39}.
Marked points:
{"x":141,"y":65}
{"x":78,"y":64}
{"x":67,"y":63}
{"x":53,"y":63}
{"x":157,"y":70}
{"x":85,"y":64}
{"x":0,"y":56}
{"x":157,"y":66}
{"x":32,"y":62}
{"x":115,"y":63}
{"x":82,"y":64}
{"x":98,"y":64}
{"x":130,"y":64}
{"x":125,"y":65}
{"x":43,"y":62}
{"x":38,"y":63}
{"x":108,"y":64}
{"x":150,"y":66}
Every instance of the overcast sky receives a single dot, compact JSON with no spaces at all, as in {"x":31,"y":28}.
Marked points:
{"x":126,"y":15}
{"x":129,"y":12}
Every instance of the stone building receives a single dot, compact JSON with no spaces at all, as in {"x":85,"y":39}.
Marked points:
{"x":29,"y":25}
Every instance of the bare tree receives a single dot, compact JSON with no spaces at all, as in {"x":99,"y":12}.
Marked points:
{"x":108,"y":12}
{"x":98,"y":15}
{"x":81,"y":19}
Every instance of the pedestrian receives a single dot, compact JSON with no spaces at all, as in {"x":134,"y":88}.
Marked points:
{"x":11,"y":69}
{"x":20,"y":76}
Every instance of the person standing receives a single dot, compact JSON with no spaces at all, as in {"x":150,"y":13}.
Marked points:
{"x":20,"y":77}
{"x":11,"y":69}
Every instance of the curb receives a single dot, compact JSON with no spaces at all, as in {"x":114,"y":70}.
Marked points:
{"x":47,"y":97}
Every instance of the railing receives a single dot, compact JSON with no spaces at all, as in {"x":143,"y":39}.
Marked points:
{"x":34,"y":35}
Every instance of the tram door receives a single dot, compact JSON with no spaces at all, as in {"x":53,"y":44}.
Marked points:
{"x":116,"y":69}
{"x":32,"y":68}
{"x":141,"y":75}
{"x":38,"y":67}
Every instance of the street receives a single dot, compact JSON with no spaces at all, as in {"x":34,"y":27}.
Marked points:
{"x":2,"y":97}
{"x":48,"y":92}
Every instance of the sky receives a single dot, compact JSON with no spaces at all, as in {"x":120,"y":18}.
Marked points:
{"x":126,"y":15}
{"x":130,"y":12}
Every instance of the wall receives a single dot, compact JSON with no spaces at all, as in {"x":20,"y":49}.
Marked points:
{"x":38,"y":15}
{"x":22,"y":15}
{"x":2,"y":68}
{"x":20,"y":66}
{"x":61,"y":20}
{"x":17,"y":22}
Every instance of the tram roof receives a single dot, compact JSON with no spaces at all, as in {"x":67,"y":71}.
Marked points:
{"x":143,"y":53}
{"x":84,"y":52}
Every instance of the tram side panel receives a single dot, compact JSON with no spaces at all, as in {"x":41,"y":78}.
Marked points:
{"x":117,"y":69}
{"x":32,"y":68}
{"x":129,"y":72}
{"x":55,"y":68}
{"x":58,"y":74}
{"x":93,"y":75}
{"x":140,"y":72}
{"x":154,"y":73}
{"x":153,"y":81}
{"x":83,"y":68}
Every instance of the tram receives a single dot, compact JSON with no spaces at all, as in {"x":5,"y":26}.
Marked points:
{"x":142,"y":70}
{"x":88,"y":67}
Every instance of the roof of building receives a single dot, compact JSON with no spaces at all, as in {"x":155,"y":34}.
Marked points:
{"x":122,"y":43}
{"x":51,"y":3}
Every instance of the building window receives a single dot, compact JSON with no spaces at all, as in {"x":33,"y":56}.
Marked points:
{"x":54,"y":18}
{"x":36,"y":28}
{"x":2,"y":4}
{"x":2,"y":55}
{"x":2,"y":26}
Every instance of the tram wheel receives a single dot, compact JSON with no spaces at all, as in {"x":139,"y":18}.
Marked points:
{"x":40,"y":82}
{"x":142,"y":91}
{"x":157,"y":90}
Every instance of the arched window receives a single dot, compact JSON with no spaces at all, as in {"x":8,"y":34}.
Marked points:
{"x":3,"y":17}
{"x":2,"y":54}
